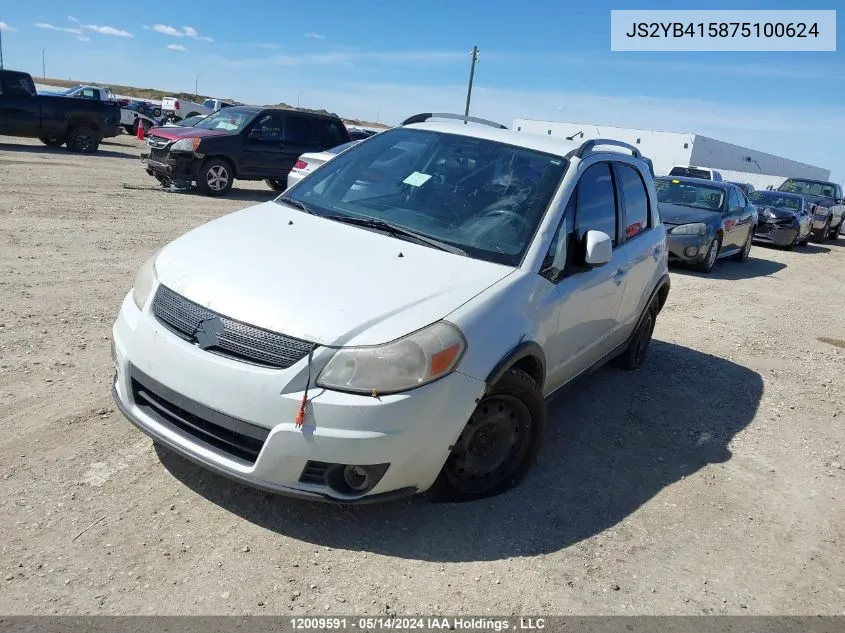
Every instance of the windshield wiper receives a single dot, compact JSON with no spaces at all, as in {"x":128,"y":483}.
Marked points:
{"x":296,"y":203}
{"x":397,"y":231}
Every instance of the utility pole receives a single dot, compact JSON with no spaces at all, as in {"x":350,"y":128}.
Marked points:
{"x":1,"y":48}
{"x":471,"y":75}
{"x":196,"y":86}
{"x":43,"y":64}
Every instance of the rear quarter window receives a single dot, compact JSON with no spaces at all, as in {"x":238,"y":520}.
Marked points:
{"x":332,"y":133}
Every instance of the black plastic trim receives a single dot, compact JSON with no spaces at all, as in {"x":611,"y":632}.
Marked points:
{"x":523,"y":350}
{"x":391,"y":495}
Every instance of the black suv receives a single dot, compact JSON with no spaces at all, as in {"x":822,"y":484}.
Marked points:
{"x":244,"y":142}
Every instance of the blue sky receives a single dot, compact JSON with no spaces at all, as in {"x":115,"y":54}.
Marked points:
{"x":375,"y":58}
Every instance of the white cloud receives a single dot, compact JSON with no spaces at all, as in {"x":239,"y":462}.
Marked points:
{"x":82,"y":38}
{"x":190,"y":31}
{"x":72,"y":19}
{"x":5,"y":27}
{"x":166,"y":29}
{"x":50,"y":27}
{"x":314,"y":36}
{"x":107,"y":30}
{"x":177,"y":47}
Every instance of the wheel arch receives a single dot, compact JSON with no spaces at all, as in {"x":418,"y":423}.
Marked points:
{"x":223,"y":157}
{"x":527,"y":356}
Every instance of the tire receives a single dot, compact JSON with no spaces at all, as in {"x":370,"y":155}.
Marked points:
{"x":191,"y":114}
{"x":210,"y":174}
{"x":635,"y":354}
{"x":83,"y":140}
{"x":742,"y":256}
{"x":51,"y":142}
{"x":821,"y":234}
{"x":156,"y":112}
{"x":275,"y":185}
{"x":514,"y":410}
{"x":710,"y":260}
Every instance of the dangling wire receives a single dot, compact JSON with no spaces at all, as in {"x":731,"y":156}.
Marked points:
{"x":300,"y":415}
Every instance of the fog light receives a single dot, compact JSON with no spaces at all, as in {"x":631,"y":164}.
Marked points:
{"x":356,"y":478}
{"x":691,"y":251}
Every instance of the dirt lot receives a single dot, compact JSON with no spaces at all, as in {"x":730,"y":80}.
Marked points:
{"x":711,"y":481}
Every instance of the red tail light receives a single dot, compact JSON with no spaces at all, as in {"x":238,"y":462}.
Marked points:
{"x":176,"y":105}
{"x":300,"y":164}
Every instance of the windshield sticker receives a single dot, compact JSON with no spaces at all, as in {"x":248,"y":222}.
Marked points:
{"x":676,"y":182}
{"x":417,"y":179}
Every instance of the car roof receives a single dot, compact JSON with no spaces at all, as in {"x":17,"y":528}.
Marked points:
{"x":818,"y":182}
{"x":721,"y":184}
{"x":537,"y":142}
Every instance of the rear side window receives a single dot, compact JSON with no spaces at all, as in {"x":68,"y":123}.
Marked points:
{"x":331,"y":132}
{"x":733,"y":200}
{"x":299,"y":129}
{"x":636,"y":199}
{"x":596,"y":203}
{"x":18,"y":86}
{"x":690,"y":173}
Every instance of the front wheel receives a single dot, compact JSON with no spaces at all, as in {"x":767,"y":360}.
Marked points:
{"x":821,"y":234}
{"x":215,"y":177}
{"x":52,"y":141}
{"x":499,"y":444}
{"x":712,"y":255}
{"x":83,"y":140}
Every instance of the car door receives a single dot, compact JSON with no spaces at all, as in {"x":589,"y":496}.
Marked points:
{"x":20,"y":112}
{"x":263,"y":147}
{"x":641,"y":247}
{"x":300,"y":136}
{"x":747,"y":219}
{"x":735,"y":232}
{"x":588,"y":298}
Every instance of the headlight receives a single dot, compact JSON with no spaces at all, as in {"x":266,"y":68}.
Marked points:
{"x":408,"y":362}
{"x":186,"y":145}
{"x":144,"y":281}
{"x":697,"y":228}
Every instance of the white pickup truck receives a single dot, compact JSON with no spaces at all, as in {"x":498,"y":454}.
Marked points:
{"x":178,"y":109}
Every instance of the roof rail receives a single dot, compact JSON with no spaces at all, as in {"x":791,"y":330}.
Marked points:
{"x":425,"y":116}
{"x":587,"y":147}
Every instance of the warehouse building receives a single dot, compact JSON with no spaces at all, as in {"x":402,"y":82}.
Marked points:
{"x":666,"y":149}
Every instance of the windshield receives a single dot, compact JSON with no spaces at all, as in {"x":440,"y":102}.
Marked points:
{"x":483,"y":197}
{"x":341,"y":148}
{"x":230,"y":120}
{"x":689,"y":194}
{"x":770,"y":199}
{"x":809,"y":187}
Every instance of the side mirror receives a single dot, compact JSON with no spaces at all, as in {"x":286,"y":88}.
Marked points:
{"x":598,"y":248}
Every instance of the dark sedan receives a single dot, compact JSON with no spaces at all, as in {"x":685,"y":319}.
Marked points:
{"x":705,"y":220}
{"x":784,"y":218}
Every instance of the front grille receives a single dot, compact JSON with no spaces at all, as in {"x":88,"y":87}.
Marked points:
{"x":157,"y":142}
{"x":237,"y":438}
{"x":234,"y":339}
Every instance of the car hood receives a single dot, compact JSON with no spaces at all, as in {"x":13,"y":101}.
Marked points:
{"x":820,"y":201}
{"x":780,"y":214}
{"x":180,"y":132}
{"x":319,"y":280}
{"x":679,"y":214}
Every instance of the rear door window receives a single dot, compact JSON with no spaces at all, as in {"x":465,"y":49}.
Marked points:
{"x":331,"y":132}
{"x":300,"y":130}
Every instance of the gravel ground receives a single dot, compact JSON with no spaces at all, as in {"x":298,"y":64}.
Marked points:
{"x":710,"y":481}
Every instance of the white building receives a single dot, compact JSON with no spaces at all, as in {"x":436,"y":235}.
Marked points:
{"x":666,"y":149}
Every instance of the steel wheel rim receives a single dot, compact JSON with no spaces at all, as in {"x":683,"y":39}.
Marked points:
{"x":491,"y":446}
{"x":217,"y":177}
{"x":83,"y":141}
{"x":714,"y":251}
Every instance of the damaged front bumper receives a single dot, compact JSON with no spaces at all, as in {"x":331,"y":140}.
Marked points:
{"x":775,"y":233}
{"x":173,"y":166}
